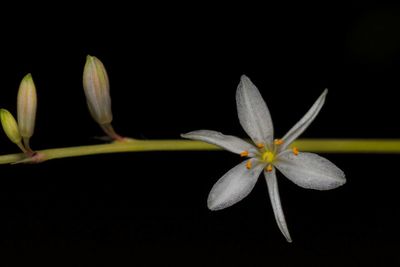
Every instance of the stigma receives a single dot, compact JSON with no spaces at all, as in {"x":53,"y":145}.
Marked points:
{"x":268,"y":156}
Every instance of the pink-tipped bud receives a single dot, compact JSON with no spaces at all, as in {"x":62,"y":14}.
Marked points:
{"x":97,"y":90}
{"x":10,"y":126}
{"x":26,"y":107}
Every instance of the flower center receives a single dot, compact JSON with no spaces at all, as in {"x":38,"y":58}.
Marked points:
{"x":268,"y":156}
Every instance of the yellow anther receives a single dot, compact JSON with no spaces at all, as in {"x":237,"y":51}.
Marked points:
{"x":278,"y":141}
{"x":244,"y":154}
{"x":269,"y":168}
{"x":295,"y":151}
{"x":260,"y":145}
{"x":248,"y":164}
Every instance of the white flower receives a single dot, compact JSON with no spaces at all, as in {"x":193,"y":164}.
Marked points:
{"x":307,"y":170}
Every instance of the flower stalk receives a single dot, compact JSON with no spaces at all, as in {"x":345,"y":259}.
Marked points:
{"x":339,"y":146}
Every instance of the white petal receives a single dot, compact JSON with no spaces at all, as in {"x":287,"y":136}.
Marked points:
{"x":310,"y":171}
{"x":302,"y":124}
{"x":253,"y":112}
{"x":228,"y":142}
{"x":273,"y":191}
{"x":235,"y":185}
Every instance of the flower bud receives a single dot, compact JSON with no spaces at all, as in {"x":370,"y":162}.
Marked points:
{"x":10,"y":126}
{"x":97,"y":90}
{"x":26,"y":106}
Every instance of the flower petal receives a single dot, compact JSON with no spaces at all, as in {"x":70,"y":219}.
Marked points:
{"x":302,"y":124}
{"x":273,"y":191}
{"x":235,"y":185}
{"x":310,"y":171}
{"x":253,"y":112}
{"x":228,"y":142}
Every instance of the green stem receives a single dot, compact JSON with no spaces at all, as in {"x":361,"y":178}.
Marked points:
{"x":383,"y":146}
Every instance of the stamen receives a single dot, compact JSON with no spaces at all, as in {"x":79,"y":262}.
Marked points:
{"x":260,"y":145}
{"x":248,"y":164}
{"x":244,"y":154}
{"x":278,"y":141}
{"x":295,"y":151}
{"x":269,"y":168}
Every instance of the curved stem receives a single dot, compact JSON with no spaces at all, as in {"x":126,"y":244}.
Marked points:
{"x":383,"y":146}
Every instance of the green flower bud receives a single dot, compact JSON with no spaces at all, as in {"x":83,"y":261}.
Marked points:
{"x":97,"y":90}
{"x":10,"y":126}
{"x":26,"y":104}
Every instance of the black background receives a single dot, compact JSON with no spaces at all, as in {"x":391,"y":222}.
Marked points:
{"x":173,"y":69}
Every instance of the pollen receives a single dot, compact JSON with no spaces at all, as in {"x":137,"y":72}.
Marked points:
{"x":269,"y":168}
{"x":244,"y":154}
{"x":295,"y":151}
{"x":278,"y":141}
{"x":260,"y":145}
{"x":248,"y":164}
